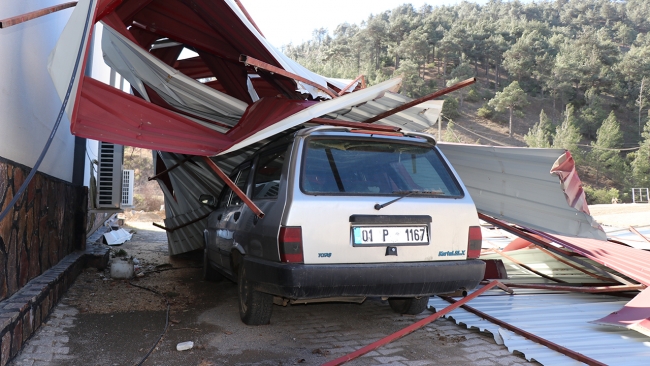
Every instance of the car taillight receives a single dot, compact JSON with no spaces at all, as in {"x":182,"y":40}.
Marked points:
{"x":474,"y":242}
{"x":290,"y":241}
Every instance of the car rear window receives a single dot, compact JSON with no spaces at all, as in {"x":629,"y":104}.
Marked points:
{"x":371,"y":167}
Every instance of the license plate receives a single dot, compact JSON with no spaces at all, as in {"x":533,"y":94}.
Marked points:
{"x":372,"y":235}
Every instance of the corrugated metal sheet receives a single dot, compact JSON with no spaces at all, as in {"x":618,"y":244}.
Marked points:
{"x":140,"y":68}
{"x":417,"y":118}
{"x":515,"y":184}
{"x":630,"y":238}
{"x":630,"y":262}
{"x":562,"y":318}
{"x":182,"y":205}
{"x":189,"y":181}
{"x":317,"y":110}
{"x":543,"y":263}
{"x":634,"y":315}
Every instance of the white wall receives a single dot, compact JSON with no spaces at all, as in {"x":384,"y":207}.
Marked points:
{"x":101,"y":72}
{"x":29,"y":104}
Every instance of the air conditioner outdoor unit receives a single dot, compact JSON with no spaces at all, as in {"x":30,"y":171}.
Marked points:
{"x":128,"y":177}
{"x":109,"y":175}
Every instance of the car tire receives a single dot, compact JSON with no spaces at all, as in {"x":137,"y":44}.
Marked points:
{"x":409,"y":305}
{"x":209,"y":273}
{"x":254,"y":307}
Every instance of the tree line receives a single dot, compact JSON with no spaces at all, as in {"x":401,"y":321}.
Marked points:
{"x":589,"y":57}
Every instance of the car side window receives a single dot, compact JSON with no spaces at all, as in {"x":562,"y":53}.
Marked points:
{"x":267,"y":175}
{"x":242,"y":179}
{"x":224,"y":198}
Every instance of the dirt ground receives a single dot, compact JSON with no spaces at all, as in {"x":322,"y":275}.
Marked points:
{"x":622,"y":215}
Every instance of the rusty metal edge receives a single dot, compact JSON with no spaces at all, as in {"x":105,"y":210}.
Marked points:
{"x":350,"y":85}
{"x":423,"y":99}
{"x":410,"y":329}
{"x":522,"y":234}
{"x":256,"y":210}
{"x":276,"y":70}
{"x":573,"y":288}
{"x":6,"y":23}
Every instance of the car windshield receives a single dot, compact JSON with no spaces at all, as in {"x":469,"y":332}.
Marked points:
{"x":370,"y":166}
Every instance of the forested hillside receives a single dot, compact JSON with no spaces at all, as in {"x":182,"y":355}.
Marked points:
{"x":570,"y":74}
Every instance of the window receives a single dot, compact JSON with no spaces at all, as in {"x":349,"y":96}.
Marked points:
{"x":370,"y":166}
{"x":242,"y":179}
{"x":224,"y":197}
{"x":267,"y":175}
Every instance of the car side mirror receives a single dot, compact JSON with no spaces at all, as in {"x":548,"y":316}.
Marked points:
{"x":208,"y":200}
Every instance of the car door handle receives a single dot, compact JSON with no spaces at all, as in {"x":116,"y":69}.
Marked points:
{"x":236,"y":216}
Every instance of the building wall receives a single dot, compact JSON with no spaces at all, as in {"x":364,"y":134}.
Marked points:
{"x":47,"y":223}
{"x":29,"y":104}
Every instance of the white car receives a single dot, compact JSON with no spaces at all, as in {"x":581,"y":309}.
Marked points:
{"x":348,"y":214}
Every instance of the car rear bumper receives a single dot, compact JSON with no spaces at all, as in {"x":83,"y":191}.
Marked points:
{"x":311,"y":281}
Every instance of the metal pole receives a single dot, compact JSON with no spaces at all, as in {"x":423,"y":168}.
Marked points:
{"x":350,"y":85}
{"x":5,"y":23}
{"x":256,"y":210}
{"x":247,"y":60}
{"x":641,"y":103}
{"x":537,"y":339}
{"x":425,"y":98}
{"x":409,"y":329}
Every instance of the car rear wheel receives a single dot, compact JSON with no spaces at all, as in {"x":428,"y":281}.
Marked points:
{"x":409,"y":305}
{"x":254,"y":307}
{"x":209,"y":273}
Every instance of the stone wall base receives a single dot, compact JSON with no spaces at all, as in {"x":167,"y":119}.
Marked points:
{"x":24,"y":312}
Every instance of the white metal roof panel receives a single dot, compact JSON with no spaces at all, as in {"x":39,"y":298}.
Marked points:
{"x":417,"y":118}
{"x":562,"y":318}
{"x":543,"y":263}
{"x":140,"y":67}
{"x":515,"y":184}
{"x":628,"y":237}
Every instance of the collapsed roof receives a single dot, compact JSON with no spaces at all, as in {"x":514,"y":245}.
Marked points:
{"x":239,"y":91}
{"x":208,"y":104}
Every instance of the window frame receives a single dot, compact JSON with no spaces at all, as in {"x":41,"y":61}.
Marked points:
{"x":278,"y":149}
{"x":227,"y":191}
{"x":444,"y":162}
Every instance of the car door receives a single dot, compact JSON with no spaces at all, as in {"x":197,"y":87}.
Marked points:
{"x":230,"y":219}
{"x":268,"y":192}
{"x":216,"y":228}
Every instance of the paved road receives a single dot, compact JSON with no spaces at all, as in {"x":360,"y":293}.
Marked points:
{"x":108,"y":322}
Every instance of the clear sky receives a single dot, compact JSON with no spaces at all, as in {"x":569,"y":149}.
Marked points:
{"x":285,"y":21}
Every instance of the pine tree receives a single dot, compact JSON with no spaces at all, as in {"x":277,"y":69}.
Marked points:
{"x":566,"y":134}
{"x":603,"y":155}
{"x":540,"y":135}
{"x":510,"y":98}
{"x":641,"y":162}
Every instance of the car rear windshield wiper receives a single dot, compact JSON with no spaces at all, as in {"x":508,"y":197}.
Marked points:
{"x":405,"y":194}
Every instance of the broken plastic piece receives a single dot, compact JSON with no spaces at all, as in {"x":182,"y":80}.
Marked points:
{"x":184,"y":346}
{"x":117,"y":237}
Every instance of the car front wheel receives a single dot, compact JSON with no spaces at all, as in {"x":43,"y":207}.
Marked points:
{"x":254,"y":307}
{"x":409,"y":305}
